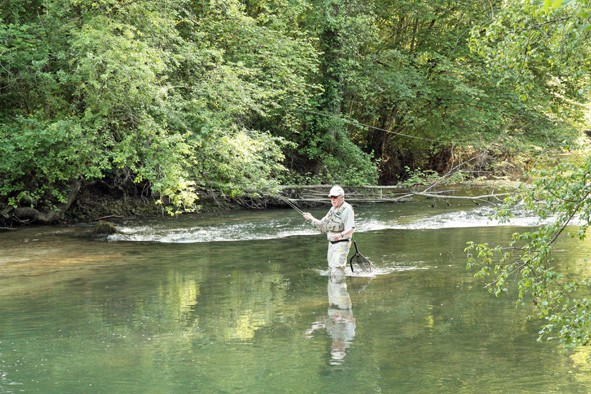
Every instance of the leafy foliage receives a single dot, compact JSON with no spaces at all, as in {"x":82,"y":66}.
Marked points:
{"x":31,"y":152}
{"x":237,"y":95}
{"x":539,"y":49}
{"x":155,"y":89}
{"x":242,"y":161}
{"x":561,"y":197}
{"x":421,"y":92}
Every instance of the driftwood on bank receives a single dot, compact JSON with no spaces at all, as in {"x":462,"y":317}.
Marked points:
{"x":317,"y":194}
{"x":483,"y":197}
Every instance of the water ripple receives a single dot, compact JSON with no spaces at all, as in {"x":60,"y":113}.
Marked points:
{"x":274,"y":228}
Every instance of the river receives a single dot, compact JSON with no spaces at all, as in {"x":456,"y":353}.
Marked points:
{"x":239,"y":302}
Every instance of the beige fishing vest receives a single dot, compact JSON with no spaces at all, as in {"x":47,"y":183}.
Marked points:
{"x":336,"y":218}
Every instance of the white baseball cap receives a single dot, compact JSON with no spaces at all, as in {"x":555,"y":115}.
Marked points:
{"x":336,"y":191}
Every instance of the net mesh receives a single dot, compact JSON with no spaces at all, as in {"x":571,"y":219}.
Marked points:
{"x":360,"y":261}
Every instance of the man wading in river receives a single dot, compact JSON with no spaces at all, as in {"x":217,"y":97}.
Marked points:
{"x":339,"y":226}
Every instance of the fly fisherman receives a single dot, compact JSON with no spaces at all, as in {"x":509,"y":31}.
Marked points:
{"x":339,"y":226}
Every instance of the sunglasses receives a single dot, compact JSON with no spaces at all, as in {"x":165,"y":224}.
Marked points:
{"x":334,"y":197}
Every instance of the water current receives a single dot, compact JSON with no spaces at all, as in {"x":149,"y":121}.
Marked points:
{"x":240,"y":302}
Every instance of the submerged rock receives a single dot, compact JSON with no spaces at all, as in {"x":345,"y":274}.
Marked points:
{"x":105,"y":228}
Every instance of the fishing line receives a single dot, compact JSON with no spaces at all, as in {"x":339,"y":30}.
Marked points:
{"x":362,"y":125}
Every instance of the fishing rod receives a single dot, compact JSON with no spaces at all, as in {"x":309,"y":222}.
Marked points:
{"x":290,"y":203}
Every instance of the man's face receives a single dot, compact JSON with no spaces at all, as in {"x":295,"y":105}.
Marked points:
{"x":336,"y":201}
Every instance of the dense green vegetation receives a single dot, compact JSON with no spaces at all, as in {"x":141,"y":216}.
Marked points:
{"x":173,"y":97}
{"x":524,"y":41}
{"x":178,"y":96}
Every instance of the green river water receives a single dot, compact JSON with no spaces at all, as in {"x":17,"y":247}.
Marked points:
{"x":238,"y":302}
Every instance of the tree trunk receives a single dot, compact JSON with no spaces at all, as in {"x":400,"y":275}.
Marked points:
{"x":26,"y":214}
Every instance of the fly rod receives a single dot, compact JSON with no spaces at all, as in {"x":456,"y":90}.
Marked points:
{"x":291,"y":204}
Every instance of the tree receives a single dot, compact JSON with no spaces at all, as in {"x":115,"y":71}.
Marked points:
{"x":157,"y":93}
{"x":325,"y":148}
{"x":547,"y":40}
{"x":539,"y":49}
{"x":245,"y":103}
{"x":561,"y":196}
{"x":171,"y":97}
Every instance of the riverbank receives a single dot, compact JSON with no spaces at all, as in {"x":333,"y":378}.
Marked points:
{"x":96,"y":205}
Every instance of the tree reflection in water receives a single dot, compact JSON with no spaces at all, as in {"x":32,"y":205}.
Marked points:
{"x":339,"y":322}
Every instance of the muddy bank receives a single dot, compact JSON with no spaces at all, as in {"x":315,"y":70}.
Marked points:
{"x":102,"y":201}
{"x":92,"y":207}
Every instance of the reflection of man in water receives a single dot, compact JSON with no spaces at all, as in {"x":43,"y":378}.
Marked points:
{"x":340,"y":323}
